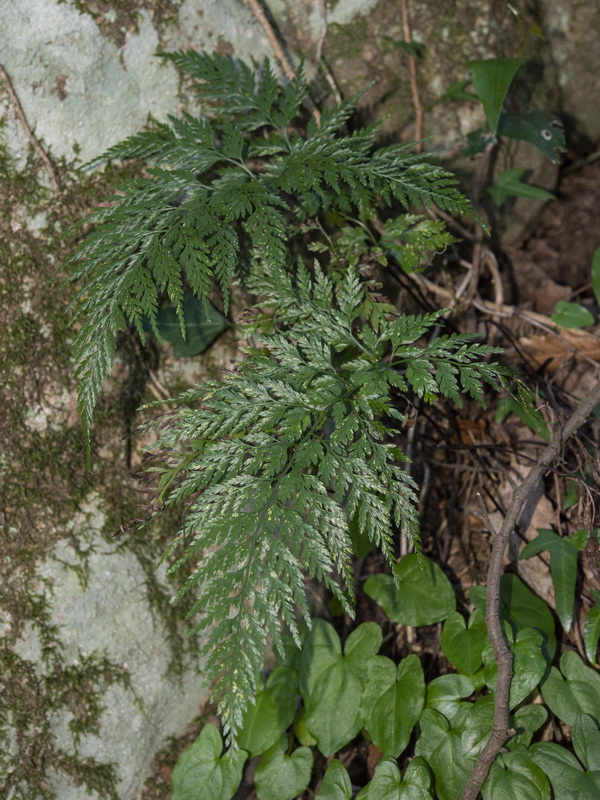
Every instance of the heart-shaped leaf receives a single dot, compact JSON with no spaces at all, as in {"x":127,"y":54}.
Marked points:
{"x":422,"y":595}
{"x":529,"y":664}
{"x":462,"y":646}
{"x":280,"y":776}
{"x":271,"y":714}
{"x":202,"y":771}
{"x":576,"y":691}
{"x":336,"y":783}
{"x":515,"y":776}
{"x":390,"y":717}
{"x":568,"y":779}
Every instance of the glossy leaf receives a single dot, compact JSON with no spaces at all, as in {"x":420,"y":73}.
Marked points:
{"x":333,"y":688}
{"x":387,"y":783}
{"x":576,"y":691}
{"x":202,"y":323}
{"x":492,"y":79}
{"x":521,"y":608}
{"x":591,"y":631}
{"x":391,"y":710}
{"x":586,"y":742}
{"x":446,"y":692}
{"x":568,"y":779}
{"x":440,"y":744}
{"x":563,"y":569}
{"x":515,"y":776}
{"x":571,"y":315}
{"x":280,"y":776}
{"x":529,"y":664}
{"x":462,"y":645}
{"x":202,"y":772}
{"x":526,"y":721}
{"x":423,"y":595}
{"x":336,"y":783}
{"x":511,"y":184}
{"x":542,"y":129}
{"x":272,"y":713}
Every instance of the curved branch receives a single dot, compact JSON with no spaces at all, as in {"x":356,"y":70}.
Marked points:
{"x":500,"y":730}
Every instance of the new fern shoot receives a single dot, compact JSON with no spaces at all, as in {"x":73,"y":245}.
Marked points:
{"x":298,"y":444}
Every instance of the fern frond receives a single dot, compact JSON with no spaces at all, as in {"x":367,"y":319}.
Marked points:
{"x":286,"y":453}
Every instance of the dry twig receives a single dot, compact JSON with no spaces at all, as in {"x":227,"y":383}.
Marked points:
{"x":502,"y":655}
{"x":412,"y":74}
{"x":286,"y":65}
{"x":18,"y":109}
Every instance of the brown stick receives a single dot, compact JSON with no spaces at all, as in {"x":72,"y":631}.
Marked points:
{"x":412,"y":74}
{"x":500,"y":730}
{"x":18,"y":108}
{"x":286,"y":66}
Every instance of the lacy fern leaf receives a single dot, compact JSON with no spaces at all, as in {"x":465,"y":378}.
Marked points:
{"x":277,"y":461}
{"x":227,"y":182}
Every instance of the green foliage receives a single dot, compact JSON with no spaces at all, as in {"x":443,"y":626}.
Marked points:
{"x":293,"y":458}
{"x":492,"y":79}
{"x":418,"y":594}
{"x":571,"y":315}
{"x":591,"y":633}
{"x":540,"y":128}
{"x":202,"y":770}
{"x":511,"y":184}
{"x":563,"y":567}
{"x":225,"y":188}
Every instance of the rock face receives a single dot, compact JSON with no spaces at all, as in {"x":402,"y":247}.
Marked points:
{"x":95,"y":668}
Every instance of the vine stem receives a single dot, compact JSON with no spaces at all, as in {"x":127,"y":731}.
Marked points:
{"x":500,"y":730}
{"x":18,"y":109}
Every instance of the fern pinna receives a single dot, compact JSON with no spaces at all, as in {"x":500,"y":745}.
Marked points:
{"x":277,"y":461}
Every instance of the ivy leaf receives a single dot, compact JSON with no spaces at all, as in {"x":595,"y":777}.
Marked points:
{"x":568,"y":779}
{"x":511,"y":184}
{"x":387,"y":783}
{"x":529,"y":664}
{"x":272,"y":712}
{"x":492,"y":79}
{"x":526,"y":721}
{"x":586,"y":742}
{"x":514,"y":776}
{"x":280,"y":776}
{"x":540,"y":128}
{"x":462,"y":646}
{"x":336,"y":783}
{"x":521,"y":608}
{"x":441,"y":745}
{"x":420,"y":595}
{"x":576,"y":691}
{"x":202,"y":771}
{"x":445,"y":693}
{"x":335,"y":688}
{"x":392,"y":704}
{"x":571,"y":315}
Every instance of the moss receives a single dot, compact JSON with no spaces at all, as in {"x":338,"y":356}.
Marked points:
{"x":44,"y":484}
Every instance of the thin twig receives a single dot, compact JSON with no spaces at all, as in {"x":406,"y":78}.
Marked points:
{"x":18,"y":109}
{"x":412,"y":74}
{"x":502,"y":655}
{"x":286,"y":65}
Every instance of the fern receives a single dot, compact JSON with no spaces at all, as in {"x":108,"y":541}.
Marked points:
{"x":277,"y":462}
{"x":228,"y":182}
{"x":298,"y":445}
